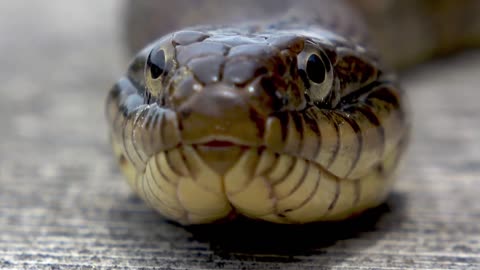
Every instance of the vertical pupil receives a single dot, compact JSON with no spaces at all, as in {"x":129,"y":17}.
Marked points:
{"x":315,"y":69}
{"x":156,"y":61}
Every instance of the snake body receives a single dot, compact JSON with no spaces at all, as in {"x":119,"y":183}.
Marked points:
{"x":287,"y":119}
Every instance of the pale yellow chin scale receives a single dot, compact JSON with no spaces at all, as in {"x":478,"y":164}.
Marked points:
{"x":184,"y":185}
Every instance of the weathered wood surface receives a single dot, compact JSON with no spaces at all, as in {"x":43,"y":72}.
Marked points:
{"x":64,"y":204}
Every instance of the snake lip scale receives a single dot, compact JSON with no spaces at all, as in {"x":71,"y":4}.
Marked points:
{"x":285,"y":121}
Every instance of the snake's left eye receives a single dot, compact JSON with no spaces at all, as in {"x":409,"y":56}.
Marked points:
{"x":156,"y":63}
{"x":315,"y":69}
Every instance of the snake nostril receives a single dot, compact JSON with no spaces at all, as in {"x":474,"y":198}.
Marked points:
{"x":267,"y":94}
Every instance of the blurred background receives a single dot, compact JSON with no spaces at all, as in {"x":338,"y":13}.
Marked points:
{"x":64,"y":204}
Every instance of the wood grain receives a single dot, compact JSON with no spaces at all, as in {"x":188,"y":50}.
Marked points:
{"x":64,"y":204}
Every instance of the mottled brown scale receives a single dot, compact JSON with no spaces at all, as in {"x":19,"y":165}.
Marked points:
{"x":207,"y":69}
{"x":292,"y":43}
{"x":188,"y":37}
{"x":240,"y":71}
{"x":198,"y":49}
{"x":240,"y":121}
{"x":353,"y":72}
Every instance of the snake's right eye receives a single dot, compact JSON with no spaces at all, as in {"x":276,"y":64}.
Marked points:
{"x":316,"y":69}
{"x":156,"y":63}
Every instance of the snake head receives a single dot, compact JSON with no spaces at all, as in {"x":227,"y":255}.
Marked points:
{"x":224,"y":85}
{"x":278,"y":125}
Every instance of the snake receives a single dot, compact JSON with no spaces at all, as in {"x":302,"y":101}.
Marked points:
{"x":281,"y":111}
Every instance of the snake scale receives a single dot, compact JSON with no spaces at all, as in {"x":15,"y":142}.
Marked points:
{"x":281,"y":111}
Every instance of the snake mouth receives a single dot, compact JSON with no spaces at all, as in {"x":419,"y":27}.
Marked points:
{"x":219,"y":144}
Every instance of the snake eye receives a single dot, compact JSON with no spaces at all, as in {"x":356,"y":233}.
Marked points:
{"x":316,"y":72}
{"x":315,"y":69}
{"x":156,"y":63}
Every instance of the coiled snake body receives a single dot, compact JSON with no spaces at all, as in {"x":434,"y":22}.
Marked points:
{"x":288,"y":119}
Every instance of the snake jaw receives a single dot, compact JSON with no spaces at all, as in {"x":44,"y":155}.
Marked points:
{"x":219,"y":143}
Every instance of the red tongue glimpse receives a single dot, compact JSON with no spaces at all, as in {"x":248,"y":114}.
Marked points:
{"x":216,"y":143}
